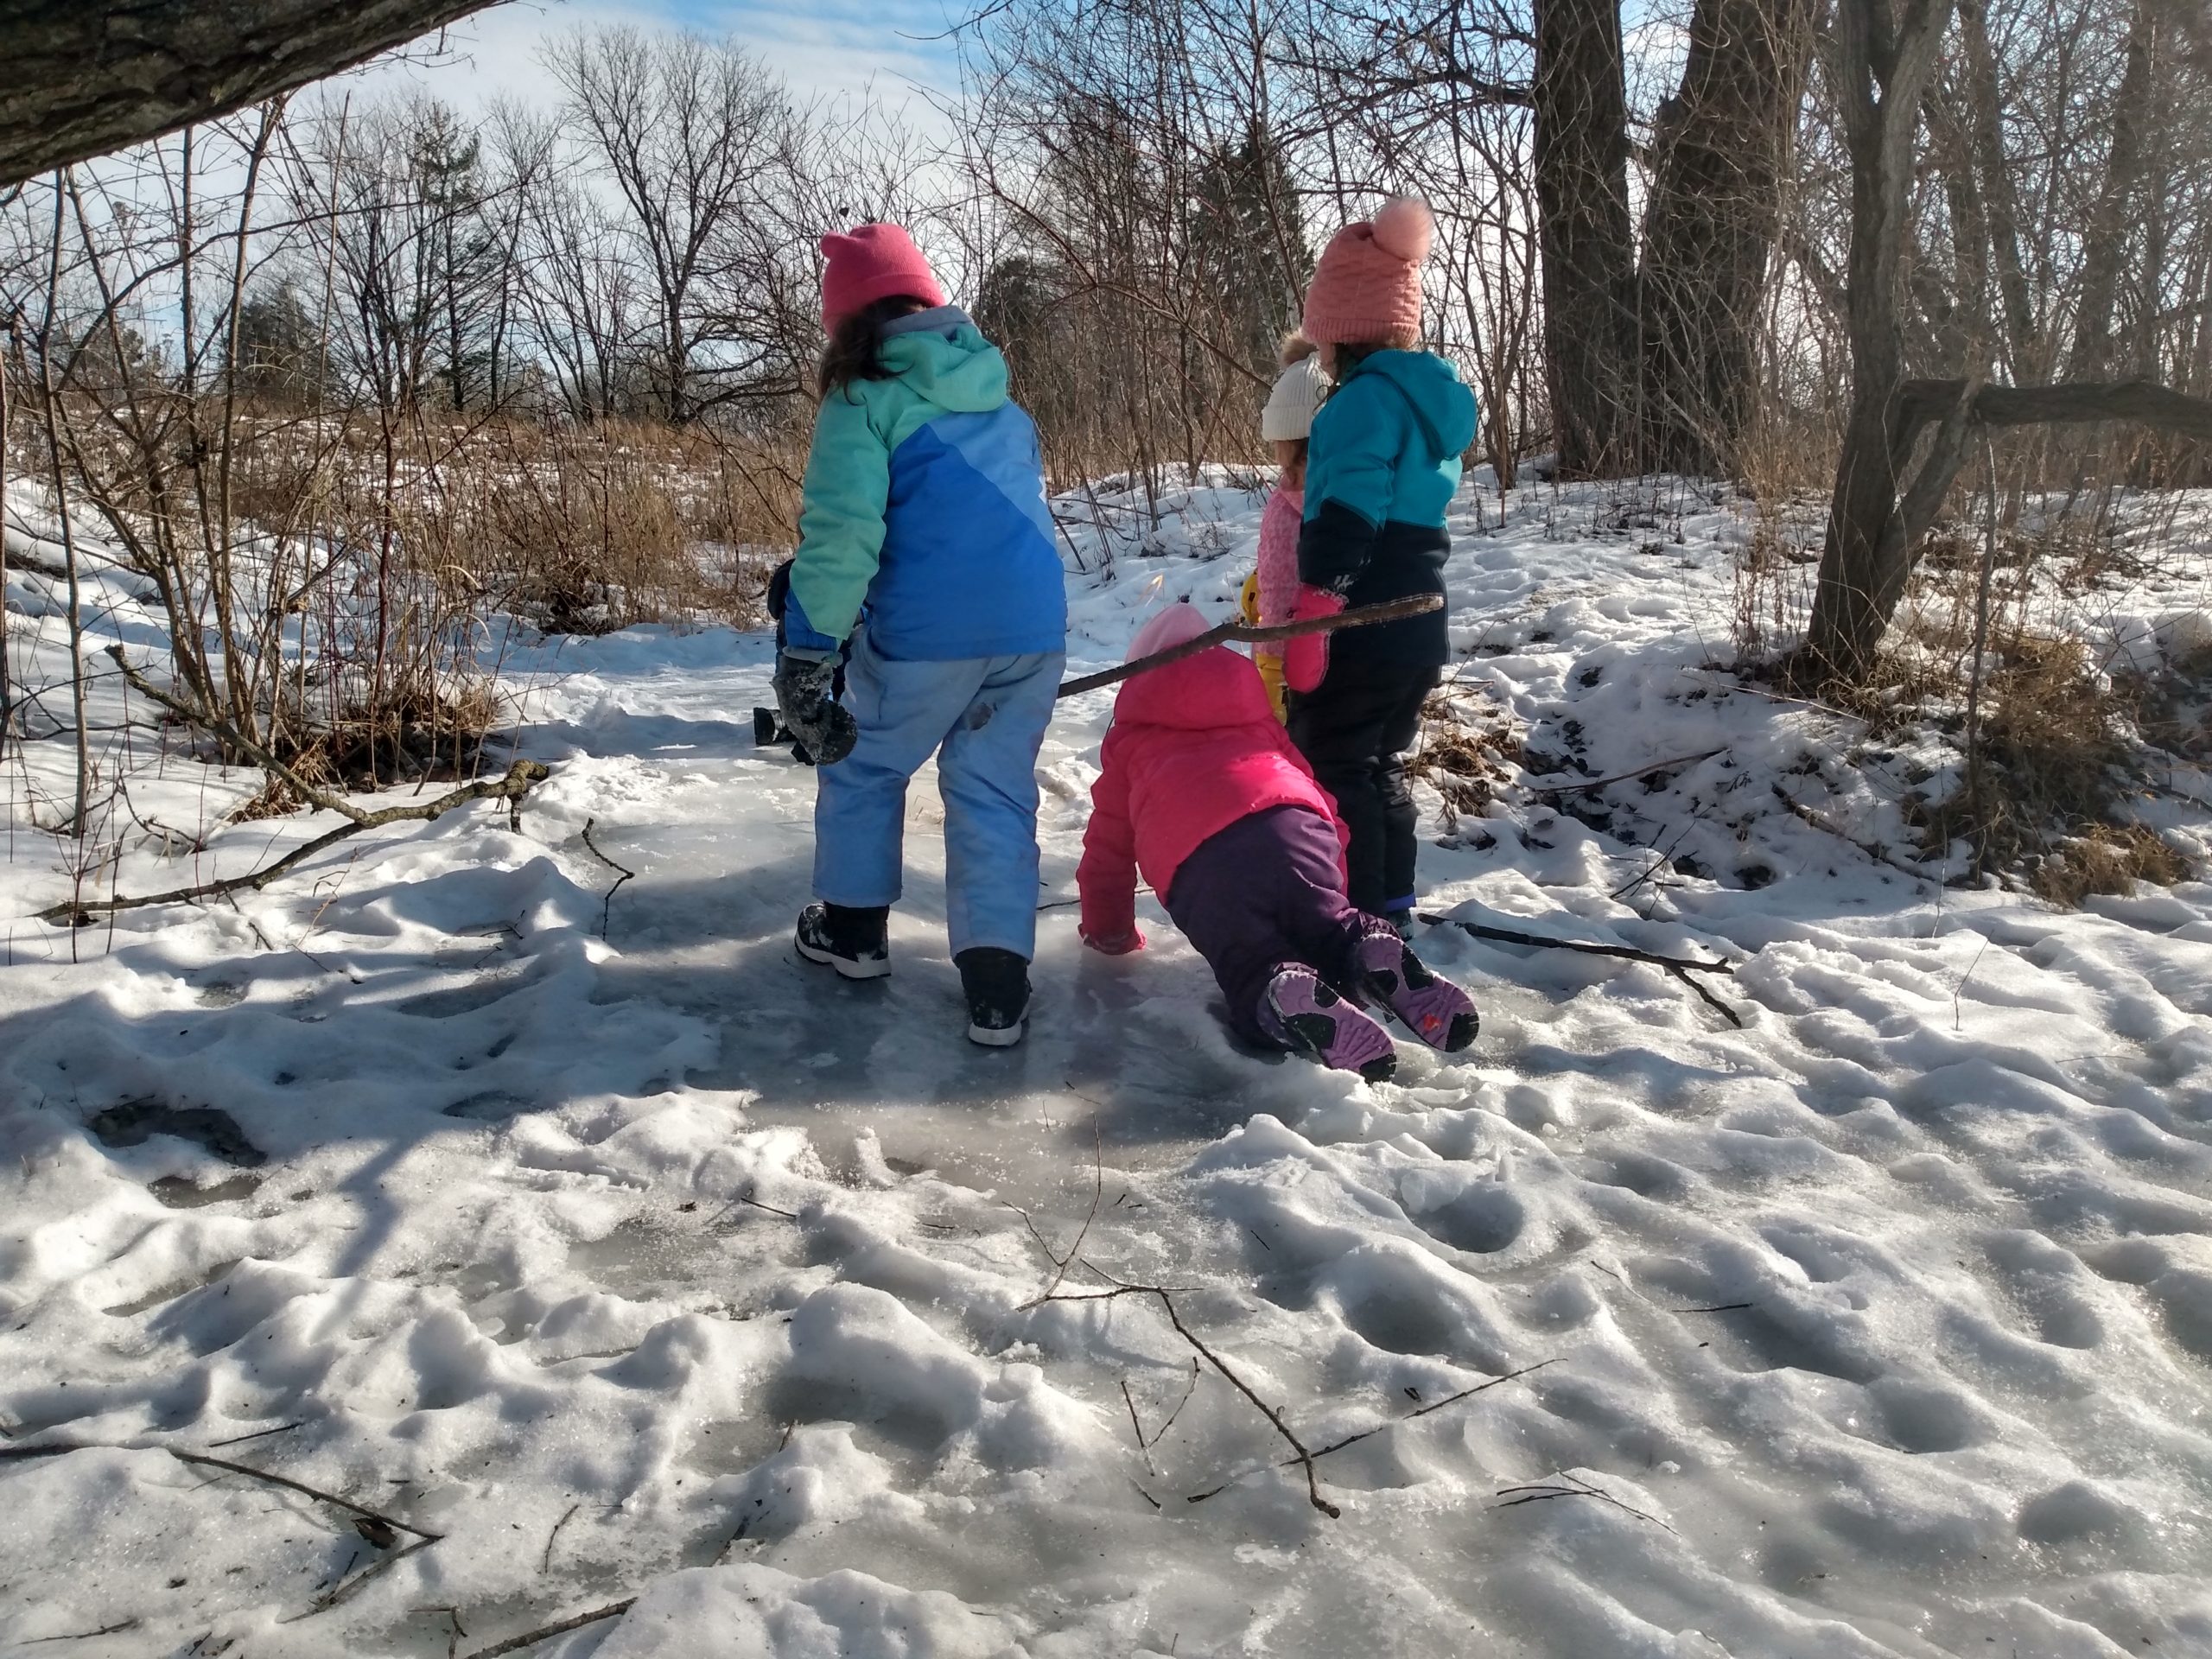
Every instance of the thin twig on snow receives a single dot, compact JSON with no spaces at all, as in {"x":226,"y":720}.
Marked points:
{"x":1679,"y":967}
{"x":544,"y":1632}
{"x":1380,"y":1428}
{"x":606,"y":905}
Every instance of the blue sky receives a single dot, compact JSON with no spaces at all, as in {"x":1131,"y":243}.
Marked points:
{"x":827,"y":46}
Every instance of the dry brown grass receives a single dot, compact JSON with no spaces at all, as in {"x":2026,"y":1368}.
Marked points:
{"x":1467,"y":750}
{"x":587,"y":529}
{"x":2058,"y":752}
{"x":1788,"y":466}
{"x":2106,"y":859}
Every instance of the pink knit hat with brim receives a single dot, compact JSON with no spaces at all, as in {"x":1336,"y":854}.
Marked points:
{"x":872,"y":263}
{"x":1367,"y":286}
{"x":1178,"y":622}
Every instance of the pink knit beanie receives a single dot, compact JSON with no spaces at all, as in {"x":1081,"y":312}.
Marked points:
{"x":872,"y":263}
{"x":1367,"y":286}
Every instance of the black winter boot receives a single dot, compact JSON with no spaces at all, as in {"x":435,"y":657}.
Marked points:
{"x":854,"y":940}
{"x":997,"y":984}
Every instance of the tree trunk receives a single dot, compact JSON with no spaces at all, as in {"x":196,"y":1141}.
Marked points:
{"x":1709,"y":232}
{"x":2106,"y":236}
{"x":1882,"y":71}
{"x":86,"y":77}
{"x":1999,"y":200}
{"x":1581,"y":158}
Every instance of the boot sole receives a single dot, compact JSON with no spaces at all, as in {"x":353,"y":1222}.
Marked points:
{"x":999,"y":1036}
{"x":1315,"y":1033}
{"x":847,"y":967}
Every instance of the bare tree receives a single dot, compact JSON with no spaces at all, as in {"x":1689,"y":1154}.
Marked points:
{"x":690,"y":136}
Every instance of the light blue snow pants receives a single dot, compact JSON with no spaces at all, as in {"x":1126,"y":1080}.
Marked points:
{"x":985,"y":718}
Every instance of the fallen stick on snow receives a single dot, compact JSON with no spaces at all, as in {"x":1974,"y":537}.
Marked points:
{"x":1299,"y":1456}
{"x":606,"y":905}
{"x":520,"y":778}
{"x":1379,"y":1428}
{"x":546,"y":1632}
{"x":1393,"y":610}
{"x":345,"y":1589}
{"x":201,"y":1459}
{"x":1569,"y":1486}
{"x":1581,"y":787}
{"x":1822,"y":822}
{"x":1681,"y":967}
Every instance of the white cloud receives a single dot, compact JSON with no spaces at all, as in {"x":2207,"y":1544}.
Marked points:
{"x":834,"y":46}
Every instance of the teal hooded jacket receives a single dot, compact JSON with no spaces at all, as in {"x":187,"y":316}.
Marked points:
{"x":923,"y":506}
{"x":1382,"y":467}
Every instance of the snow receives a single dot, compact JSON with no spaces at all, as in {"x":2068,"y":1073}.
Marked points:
{"x":661,"y":1266}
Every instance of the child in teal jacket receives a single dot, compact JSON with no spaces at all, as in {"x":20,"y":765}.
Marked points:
{"x":1382,"y":468}
{"x":925,"y":547}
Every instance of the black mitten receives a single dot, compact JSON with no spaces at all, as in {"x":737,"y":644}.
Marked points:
{"x":806,"y":694}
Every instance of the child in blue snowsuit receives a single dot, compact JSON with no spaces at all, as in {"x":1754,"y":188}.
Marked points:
{"x":924,"y":507}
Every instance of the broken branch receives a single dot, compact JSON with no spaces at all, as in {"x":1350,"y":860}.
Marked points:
{"x":520,"y":778}
{"x":1391,"y":611}
{"x":606,"y":905}
{"x":1679,"y":967}
{"x":1822,"y":822}
{"x":1301,"y":1455}
{"x":1625,"y":776}
{"x":201,"y":1459}
{"x":1380,"y":1429}
{"x":1626,"y":952}
{"x":544,"y":1632}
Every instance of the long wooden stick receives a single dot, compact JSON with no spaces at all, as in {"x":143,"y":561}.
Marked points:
{"x":1393,"y":610}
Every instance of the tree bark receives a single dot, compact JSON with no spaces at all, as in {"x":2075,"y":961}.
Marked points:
{"x":2106,"y":236}
{"x":1999,"y":200}
{"x":1710,"y":229}
{"x":1589,"y":257}
{"x":1884,"y":66}
{"x":86,"y":77}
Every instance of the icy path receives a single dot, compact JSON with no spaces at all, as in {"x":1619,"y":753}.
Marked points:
{"x":1883,"y":1323}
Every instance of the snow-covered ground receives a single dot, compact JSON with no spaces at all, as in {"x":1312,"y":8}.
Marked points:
{"x":665,"y":1267}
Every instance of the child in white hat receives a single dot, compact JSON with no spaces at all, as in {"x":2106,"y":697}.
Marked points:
{"x":1287,"y":420}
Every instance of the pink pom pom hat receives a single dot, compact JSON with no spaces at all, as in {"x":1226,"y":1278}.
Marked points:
{"x":1367,"y":286}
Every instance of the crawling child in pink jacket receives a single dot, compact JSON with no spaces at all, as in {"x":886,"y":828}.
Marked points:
{"x":1202,"y":793}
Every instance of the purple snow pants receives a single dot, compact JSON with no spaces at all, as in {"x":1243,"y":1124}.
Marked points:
{"x":1267,"y":891}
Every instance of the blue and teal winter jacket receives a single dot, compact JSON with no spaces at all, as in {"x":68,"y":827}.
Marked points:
{"x":925,"y":505}
{"x":1383,"y":464}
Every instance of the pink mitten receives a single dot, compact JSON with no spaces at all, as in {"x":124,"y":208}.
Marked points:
{"x":1306,"y":658}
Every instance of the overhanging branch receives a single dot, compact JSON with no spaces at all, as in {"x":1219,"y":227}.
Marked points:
{"x":86,"y":77}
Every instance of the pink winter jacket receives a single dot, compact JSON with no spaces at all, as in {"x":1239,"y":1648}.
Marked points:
{"x":1194,"y":747}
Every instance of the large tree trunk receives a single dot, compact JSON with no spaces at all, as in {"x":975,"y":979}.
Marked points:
{"x":85,"y":77}
{"x":1883,"y":67}
{"x":1709,"y":232}
{"x":1581,"y":156}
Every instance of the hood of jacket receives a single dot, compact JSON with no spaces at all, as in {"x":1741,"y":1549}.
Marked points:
{"x":942,"y":357}
{"x":1443,"y":408}
{"x":1216,"y":688}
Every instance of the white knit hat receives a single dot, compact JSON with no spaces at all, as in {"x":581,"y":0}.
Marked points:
{"x":1297,"y":393}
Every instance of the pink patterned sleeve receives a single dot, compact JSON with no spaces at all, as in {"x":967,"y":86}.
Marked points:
{"x":1279,"y":556}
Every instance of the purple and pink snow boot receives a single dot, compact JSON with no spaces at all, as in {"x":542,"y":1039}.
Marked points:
{"x":1433,"y":1009}
{"x":1301,"y":1013}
